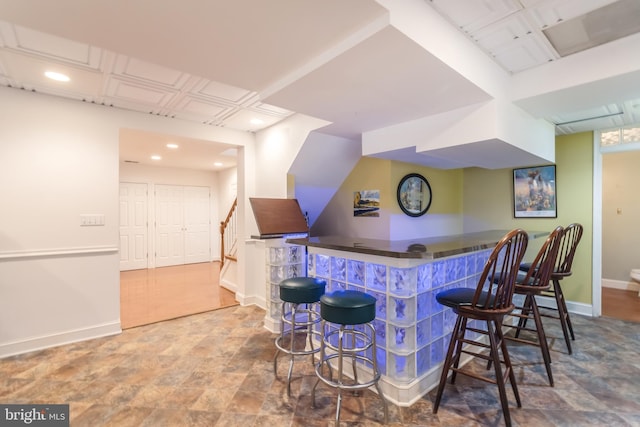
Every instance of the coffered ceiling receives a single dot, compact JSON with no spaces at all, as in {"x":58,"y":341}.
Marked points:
{"x":223,"y":63}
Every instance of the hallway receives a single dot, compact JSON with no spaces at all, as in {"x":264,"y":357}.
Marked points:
{"x":157,"y":294}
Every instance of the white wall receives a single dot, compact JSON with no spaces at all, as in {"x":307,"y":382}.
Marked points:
{"x":620,"y":213}
{"x":59,"y":282}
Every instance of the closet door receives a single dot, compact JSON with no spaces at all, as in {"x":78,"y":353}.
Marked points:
{"x":197,"y":241}
{"x":182,"y":225}
{"x":133,"y":226}
{"x":169,"y":225}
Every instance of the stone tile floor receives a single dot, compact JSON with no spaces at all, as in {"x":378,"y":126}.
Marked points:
{"x":216,"y":369}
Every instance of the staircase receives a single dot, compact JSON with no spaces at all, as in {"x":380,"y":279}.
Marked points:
{"x":229,"y":236}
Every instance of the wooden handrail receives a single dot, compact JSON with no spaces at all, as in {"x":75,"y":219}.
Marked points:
{"x":223,"y":227}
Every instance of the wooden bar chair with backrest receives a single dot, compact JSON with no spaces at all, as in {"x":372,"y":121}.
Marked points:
{"x":488,"y":303}
{"x":564,"y":263}
{"x":531,"y":283}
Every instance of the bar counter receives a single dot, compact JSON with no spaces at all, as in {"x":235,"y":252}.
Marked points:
{"x":412,"y":328}
{"x":426,"y":248}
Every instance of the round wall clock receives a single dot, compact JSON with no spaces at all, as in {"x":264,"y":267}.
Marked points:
{"x":414,"y":194}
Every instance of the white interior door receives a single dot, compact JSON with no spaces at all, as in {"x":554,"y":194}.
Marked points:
{"x":133,"y":226}
{"x":169,"y":225}
{"x":197,"y":224}
{"x":182,"y":225}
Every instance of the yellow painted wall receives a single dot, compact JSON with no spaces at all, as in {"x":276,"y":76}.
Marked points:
{"x":488,"y":204}
{"x":384,"y":175}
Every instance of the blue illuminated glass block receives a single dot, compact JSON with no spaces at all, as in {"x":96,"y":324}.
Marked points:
{"x":296,"y":254}
{"x":481,"y":260}
{"x":376,"y":277}
{"x":425,"y":273}
{"x":401,"y":367}
{"x":323,"y":266}
{"x":437,"y":351}
{"x":355,"y":272}
{"x":402,"y":281}
{"x":423,"y":305}
{"x":423,"y":333}
{"x":311,"y":266}
{"x":454,"y":268}
{"x":295,"y":270}
{"x":381,"y":356}
{"x":277,"y":273}
{"x":338,"y":268}
{"x":422,"y":360}
{"x":336,"y":285}
{"x":438,"y":275}
{"x":436,"y":307}
{"x":402,"y":310}
{"x":381,"y":332}
{"x":402,"y":338}
{"x":381,"y":304}
{"x":274,"y":291}
{"x":449,"y":321}
{"x":277,"y":256}
{"x":437,"y":325}
{"x":355,"y":288}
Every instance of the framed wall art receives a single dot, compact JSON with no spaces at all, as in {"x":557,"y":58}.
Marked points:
{"x":414,"y":194}
{"x":534,"y":192}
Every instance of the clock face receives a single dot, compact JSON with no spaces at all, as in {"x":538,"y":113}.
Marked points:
{"x":414,"y":194}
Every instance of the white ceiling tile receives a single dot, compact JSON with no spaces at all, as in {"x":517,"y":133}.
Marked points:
{"x":56,"y":48}
{"x":199,"y":107}
{"x":141,"y":70}
{"x":550,"y":12}
{"x":471,"y":16}
{"x":270,"y":109}
{"x":523,"y":53}
{"x":223,"y":92}
{"x":133,"y":92}
{"x":504,"y":32}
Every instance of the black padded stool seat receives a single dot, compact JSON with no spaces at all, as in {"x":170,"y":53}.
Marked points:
{"x":457,"y":297}
{"x":346,"y":341}
{"x":302,"y":290}
{"x":348,"y":307}
{"x":299,"y":314}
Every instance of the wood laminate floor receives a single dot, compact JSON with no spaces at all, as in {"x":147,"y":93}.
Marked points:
{"x":621,"y":304}
{"x":157,"y":294}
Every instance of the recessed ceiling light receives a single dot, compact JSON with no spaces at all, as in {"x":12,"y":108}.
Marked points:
{"x":57,"y":76}
{"x":172,"y":146}
{"x":257,"y":122}
{"x":217,"y":164}
{"x":156,"y":157}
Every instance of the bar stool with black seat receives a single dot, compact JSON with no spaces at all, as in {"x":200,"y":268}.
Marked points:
{"x":532,"y":283}
{"x":564,"y":262}
{"x":489,"y":302}
{"x":348,"y":314}
{"x":300,"y":297}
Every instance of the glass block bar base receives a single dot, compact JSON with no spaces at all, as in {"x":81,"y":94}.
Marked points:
{"x":412,"y":328}
{"x":283,"y":261}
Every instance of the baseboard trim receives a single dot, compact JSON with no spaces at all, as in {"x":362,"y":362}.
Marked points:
{"x":63,"y":338}
{"x":621,"y":284}
{"x":572,"y":307}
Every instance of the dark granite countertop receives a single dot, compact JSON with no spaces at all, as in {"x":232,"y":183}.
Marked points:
{"x":426,"y":248}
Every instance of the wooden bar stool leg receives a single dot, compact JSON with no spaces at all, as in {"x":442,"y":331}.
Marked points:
{"x":563,"y":314}
{"x":542,"y":339}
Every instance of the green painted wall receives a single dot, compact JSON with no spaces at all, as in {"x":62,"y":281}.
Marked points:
{"x":488,"y":204}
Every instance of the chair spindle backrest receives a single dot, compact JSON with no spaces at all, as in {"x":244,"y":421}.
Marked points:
{"x":543,"y":265}
{"x":570,"y":239}
{"x":500,"y":272}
